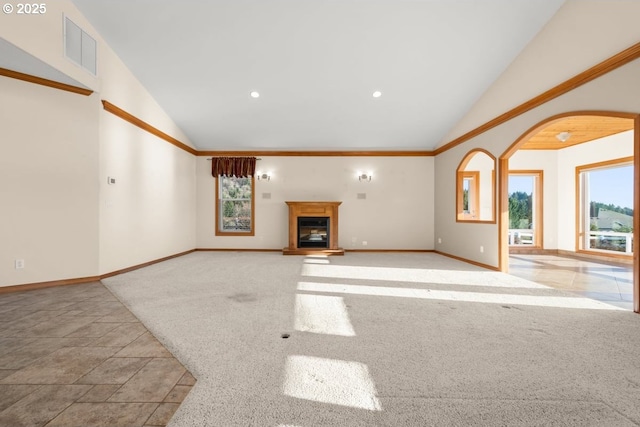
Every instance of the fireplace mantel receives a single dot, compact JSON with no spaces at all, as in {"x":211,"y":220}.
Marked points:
{"x":313,"y":210}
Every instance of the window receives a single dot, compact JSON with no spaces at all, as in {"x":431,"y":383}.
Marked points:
{"x":525,"y":208}
{"x":605,"y":207}
{"x":234,"y":206}
{"x":470,"y":194}
{"x":475,"y":187}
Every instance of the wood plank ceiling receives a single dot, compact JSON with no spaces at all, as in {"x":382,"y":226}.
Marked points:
{"x":581,"y":129}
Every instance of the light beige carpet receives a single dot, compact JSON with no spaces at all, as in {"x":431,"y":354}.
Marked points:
{"x":384,"y":340}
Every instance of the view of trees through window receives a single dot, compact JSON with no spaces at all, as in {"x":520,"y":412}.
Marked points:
{"x":235,"y":204}
{"x":522,"y":209}
{"x":607,"y":200}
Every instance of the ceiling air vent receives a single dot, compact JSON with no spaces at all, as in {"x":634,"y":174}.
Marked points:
{"x":79,"y":46}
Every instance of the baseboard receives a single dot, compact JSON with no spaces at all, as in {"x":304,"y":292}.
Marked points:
{"x":468,"y":261}
{"x":146,"y":264}
{"x":235,"y":250}
{"x":80,"y":280}
{"x":390,"y":250}
{"x":50,"y":284}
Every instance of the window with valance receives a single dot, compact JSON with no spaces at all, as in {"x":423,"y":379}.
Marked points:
{"x":235,"y":199}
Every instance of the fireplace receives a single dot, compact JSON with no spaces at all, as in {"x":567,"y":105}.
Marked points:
{"x":313,"y":232}
{"x":313,"y":228}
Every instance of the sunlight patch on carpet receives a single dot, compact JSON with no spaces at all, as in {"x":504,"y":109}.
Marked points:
{"x":534,"y":300}
{"x":337,"y":382}
{"x":321,"y":314}
{"x":420,"y":275}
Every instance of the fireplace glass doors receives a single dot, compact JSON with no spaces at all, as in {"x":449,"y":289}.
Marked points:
{"x":313,"y":232}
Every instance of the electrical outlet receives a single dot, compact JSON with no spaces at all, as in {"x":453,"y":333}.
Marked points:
{"x":111,"y":180}
{"x":481,"y":249}
{"x":364,"y":243}
{"x":439,"y":240}
{"x":19,"y":264}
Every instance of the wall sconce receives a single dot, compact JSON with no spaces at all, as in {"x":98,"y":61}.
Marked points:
{"x":263,"y":176}
{"x":362,"y":176}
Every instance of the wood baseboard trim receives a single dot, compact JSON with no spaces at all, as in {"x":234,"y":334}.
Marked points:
{"x":468,"y":261}
{"x":405,"y":251}
{"x":345,"y":250}
{"x":50,"y":284}
{"x":146,"y":264}
{"x":81,"y":280}
{"x":44,"y":82}
{"x":235,"y":250}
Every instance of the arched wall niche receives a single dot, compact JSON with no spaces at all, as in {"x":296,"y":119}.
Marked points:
{"x":475,"y":187}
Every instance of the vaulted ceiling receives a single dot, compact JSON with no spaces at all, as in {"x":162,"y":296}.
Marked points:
{"x":316,"y":65}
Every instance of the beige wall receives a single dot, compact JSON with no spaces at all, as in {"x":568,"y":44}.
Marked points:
{"x":396,"y":214}
{"x":582,"y":34}
{"x":48,"y":183}
{"x":63,"y":147}
{"x":615,"y":91}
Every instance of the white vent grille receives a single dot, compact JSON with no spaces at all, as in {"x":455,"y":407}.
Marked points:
{"x":79,"y":46}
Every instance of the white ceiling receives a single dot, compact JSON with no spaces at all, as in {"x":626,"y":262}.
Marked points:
{"x":316,"y":64}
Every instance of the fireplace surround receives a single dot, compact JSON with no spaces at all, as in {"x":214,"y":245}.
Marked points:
{"x":313,"y":228}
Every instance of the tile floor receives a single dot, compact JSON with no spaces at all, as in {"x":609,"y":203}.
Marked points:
{"x":607,"y":282}
{"x":75,"y":356}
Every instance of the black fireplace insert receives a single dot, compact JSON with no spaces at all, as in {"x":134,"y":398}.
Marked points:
{"x":313,"y":232}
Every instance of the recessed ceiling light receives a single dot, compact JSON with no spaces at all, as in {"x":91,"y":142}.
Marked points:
{"x":377,"y":94}
{"x":255,"y":94}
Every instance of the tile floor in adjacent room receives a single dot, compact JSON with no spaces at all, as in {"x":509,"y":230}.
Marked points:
{"x":603,"y":281}
{"x":76,"y":356}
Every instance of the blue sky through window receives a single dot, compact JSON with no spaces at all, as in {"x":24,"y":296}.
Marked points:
{"x":612,"y":185}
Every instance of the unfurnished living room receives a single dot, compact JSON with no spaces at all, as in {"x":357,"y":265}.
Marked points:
{"x":319,"y":213}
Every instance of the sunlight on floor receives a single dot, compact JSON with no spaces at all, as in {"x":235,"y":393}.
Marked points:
{"x":419,"y":275}
{"x":322,"y":315}
{"x":534,"y":300}
{"x":337,"y":382}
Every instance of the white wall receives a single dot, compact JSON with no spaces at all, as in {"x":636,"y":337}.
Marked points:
{"x":396,"y":214}
{"x":48,"y":183}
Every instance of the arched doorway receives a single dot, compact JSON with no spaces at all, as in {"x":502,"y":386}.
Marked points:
{"x":548,"y":129}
